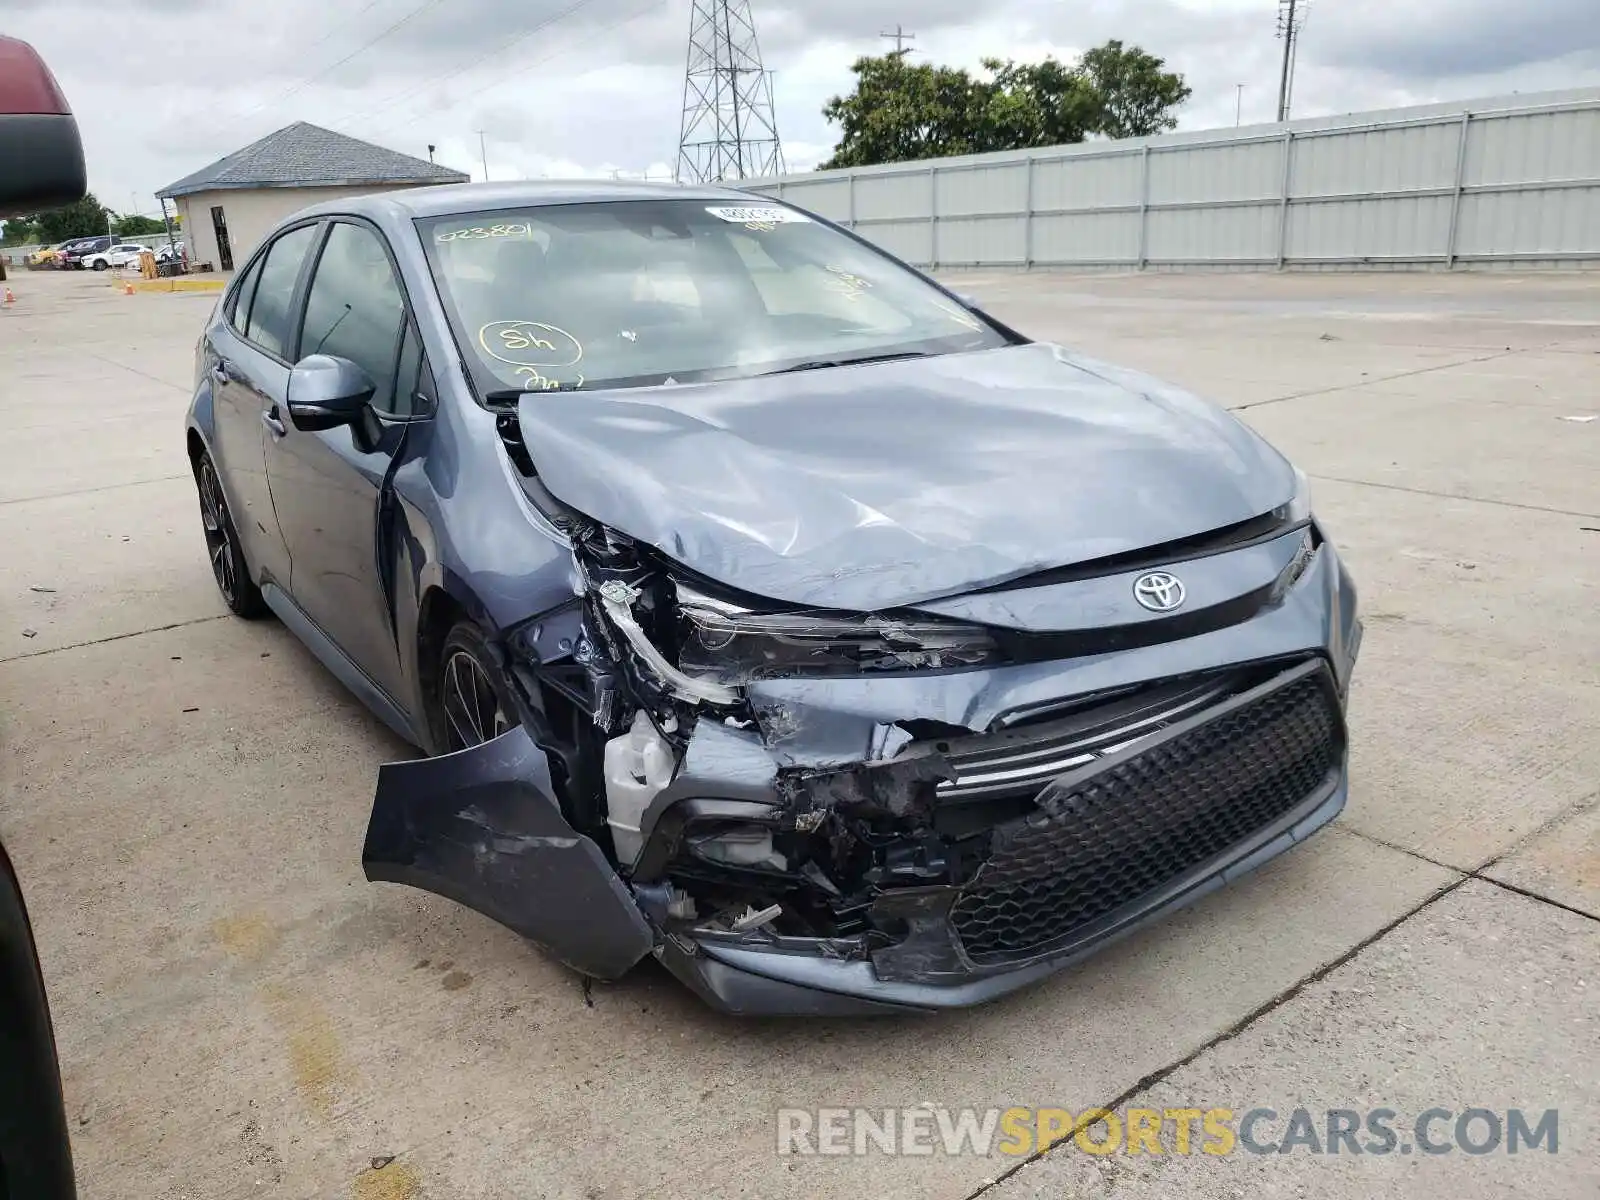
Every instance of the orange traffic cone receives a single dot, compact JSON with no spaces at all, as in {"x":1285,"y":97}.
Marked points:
{"x":127,"y":289}
{"x":10,"y":299}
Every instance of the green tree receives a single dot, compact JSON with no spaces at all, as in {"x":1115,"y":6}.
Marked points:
{"x":899,"y":111}
{"x":20,"y":231}
{"x":135,"y":225}
{"x":1136,"y":97}
{"x":1037,"y":104}
{"x":85,"y":218}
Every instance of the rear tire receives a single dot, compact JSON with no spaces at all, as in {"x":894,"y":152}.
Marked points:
{"x":470,"y":701}
{"x":228,"y":566}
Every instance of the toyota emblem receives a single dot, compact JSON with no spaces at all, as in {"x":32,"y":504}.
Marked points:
{"x":1158,"y":591}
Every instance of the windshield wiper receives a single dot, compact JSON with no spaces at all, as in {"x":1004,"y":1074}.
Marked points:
{"x":818,"y":364}
{"x":508,"y":397}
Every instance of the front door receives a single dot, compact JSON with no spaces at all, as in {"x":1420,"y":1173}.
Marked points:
{"x":219,"y":223}
{"x":328,"y":485}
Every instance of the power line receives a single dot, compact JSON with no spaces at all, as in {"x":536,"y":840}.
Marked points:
{"x":339,"y":26}
{"x":336,"y":27}
{"x":299,"y":87}
{"x":899,"y":37}
{"x":414,"y":90}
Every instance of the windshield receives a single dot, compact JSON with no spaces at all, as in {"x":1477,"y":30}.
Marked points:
{"x":638,"y":293}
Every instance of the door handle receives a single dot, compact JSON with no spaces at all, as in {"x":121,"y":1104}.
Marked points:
{"x":219,"y":371}
{"x":274,"y":426}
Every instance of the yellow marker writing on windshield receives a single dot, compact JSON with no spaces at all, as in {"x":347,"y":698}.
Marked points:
{"x":481,"y":232}
{"x":533,"y":347}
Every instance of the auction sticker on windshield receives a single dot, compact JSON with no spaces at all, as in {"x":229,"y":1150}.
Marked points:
{"x":762,"y":219}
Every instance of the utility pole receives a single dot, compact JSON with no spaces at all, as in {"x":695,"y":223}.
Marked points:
{"x":899,"y":37}
{"x":483,"y":153}
{"x":1238,"y":103}
{"x":1289,"y":22}
{"x":167,"y":221}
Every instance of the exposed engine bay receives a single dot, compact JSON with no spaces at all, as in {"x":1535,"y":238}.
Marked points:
{"x":806,"y":852}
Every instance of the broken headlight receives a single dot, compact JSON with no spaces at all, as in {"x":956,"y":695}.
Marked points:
{"x":733,"y":644}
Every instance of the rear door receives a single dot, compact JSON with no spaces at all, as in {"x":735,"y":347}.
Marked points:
{"x":329,"y":486}
{"x":249,"y":368}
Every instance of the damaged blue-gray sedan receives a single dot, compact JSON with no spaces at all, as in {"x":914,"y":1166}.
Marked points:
{"x":763,"y":606}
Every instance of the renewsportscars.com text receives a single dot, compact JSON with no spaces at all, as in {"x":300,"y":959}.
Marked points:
{"x":1021,"y":1132}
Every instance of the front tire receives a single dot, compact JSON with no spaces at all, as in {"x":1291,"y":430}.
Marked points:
{"x":471,"y":703}
{"x":99,"y":264}
{"x":228,"y":566}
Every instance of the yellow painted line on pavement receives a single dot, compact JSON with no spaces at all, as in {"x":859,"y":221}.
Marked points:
{"x":178,"y":284}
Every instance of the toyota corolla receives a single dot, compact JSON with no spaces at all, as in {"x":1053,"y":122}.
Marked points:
{"x":759,"y":604}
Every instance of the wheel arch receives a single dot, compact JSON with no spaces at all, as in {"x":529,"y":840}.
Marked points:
{"x":437,"y":615}
{"x":443,"y":604}
{"x":196,"y":445}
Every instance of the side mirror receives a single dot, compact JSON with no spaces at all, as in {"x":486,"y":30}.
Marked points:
{"x":39,"y":142}
{"x":326,"y":391}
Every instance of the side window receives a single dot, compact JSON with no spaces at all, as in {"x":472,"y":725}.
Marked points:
{"x":239,"y":305}
{"x":268,"y":325}
{"x":355,"y":308}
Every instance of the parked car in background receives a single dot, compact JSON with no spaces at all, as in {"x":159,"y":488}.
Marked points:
{"x":74,"y":252}
{"x":168,"y":251}
{"x":44,"y":256}
{"x":70,"y":246}
{"x":123,"y":255}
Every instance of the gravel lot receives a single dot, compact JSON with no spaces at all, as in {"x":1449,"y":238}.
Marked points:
{"x":241,"y":1015}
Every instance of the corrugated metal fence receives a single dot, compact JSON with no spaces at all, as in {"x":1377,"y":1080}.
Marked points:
{"x":1514,"y":184}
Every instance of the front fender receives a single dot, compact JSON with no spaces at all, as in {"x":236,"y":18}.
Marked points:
{"x":482,"y":827}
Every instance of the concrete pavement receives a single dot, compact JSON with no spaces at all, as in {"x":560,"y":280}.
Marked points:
{"x":240,"y":1014}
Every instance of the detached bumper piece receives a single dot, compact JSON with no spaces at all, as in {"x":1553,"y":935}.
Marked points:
{"x":482,"y":828}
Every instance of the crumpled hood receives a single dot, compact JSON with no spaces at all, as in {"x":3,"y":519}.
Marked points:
{"x":886,"y":484}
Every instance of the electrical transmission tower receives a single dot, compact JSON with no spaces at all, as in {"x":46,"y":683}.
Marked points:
{"x":729,"y":128}
{"x":1291,"y":17}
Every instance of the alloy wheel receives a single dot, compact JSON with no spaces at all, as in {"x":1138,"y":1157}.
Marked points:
{"x":219,"y":532}
{"x":472,"y":708}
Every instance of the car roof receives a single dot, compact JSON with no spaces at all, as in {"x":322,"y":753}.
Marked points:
{"x":449,"y":199}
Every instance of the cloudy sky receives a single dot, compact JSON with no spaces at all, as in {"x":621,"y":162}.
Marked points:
{"x":587,"y":87}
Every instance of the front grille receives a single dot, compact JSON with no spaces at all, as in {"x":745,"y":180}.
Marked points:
{"x":1123,"y":832}
{"x":1021,"y":759}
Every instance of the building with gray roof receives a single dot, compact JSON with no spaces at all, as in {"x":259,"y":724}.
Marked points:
{"x":229,"y":206}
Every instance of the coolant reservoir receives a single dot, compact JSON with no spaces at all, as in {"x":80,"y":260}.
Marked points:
{"x":638,"y":764}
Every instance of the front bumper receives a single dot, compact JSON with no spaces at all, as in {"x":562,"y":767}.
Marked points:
{"x":753,"y":982}
{"x":1316,"y":626}
{"x":483,"y":827}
